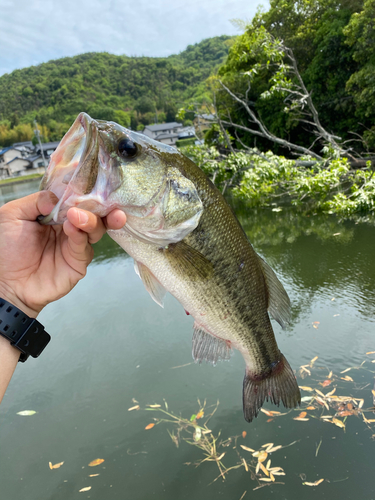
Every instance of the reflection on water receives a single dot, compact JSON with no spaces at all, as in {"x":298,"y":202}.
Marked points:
{"x":112,"y":344}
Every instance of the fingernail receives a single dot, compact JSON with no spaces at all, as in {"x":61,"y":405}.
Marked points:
{"x":83,"y":218}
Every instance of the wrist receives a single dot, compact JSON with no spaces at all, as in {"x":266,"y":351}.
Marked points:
{"x":7,"y":294}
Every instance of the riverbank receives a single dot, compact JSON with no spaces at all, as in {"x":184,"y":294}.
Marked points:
{"x":20,"y":180}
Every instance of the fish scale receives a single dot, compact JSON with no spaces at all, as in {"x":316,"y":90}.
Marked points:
{"x":189,"y":243}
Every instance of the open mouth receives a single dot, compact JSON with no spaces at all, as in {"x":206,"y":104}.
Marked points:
{"x":73,"y":169}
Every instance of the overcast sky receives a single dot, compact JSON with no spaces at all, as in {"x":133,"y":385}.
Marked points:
{"x":36,"y":31}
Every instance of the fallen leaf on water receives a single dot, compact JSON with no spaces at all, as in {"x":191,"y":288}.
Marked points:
{"x":265,"y":479}
{"x":153,"y":406}
{"x":326,"y":383}
{"x":361,"y":401}
{"x":134,"y":408}
{"x":315,"y":326}
{"x":267,"y":445}
{"x":305,"y":388}
{"x":304,"y":369}
{"x":262,"y":456}
{"x":330,"y":393}
{"x":373,"y":392}
{"x":370,"y":352}
{"x":302,"y":419}
{"x":347,"y":370}
{"x":55,"y":466}
{"x":257,"y":468}
{"x":349,"y":406}
{"x":96,"y":462}
{"x":311,"y":408}
{"x":244,"y":433}
{"x":149,"y":426}
{"x":94,"y":475}
{"x":245,"y":465}
{"x":271,"y":477}
{"x":345,"y":413}
{"x":26,"y":413}
{"x":266,"y":412}
{"x":265,"y":471}
{"x":326,"y":417}
{"x":306,"y":398}
{"x":330,"y":374}
{"x":314,"y":484}
{"x":88,"y":488}
{"x":319,"y":392}
{"x":200,"y":415}
{"x":302,"y":414}
{"x":246,"y":448}
{"x":338,"y":422}
{"x":347,"y":378}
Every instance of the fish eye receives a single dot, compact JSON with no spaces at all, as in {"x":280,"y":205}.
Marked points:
{"x":127,"y":148}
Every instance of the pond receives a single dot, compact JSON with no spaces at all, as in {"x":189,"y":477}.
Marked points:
{"x":114,"y":349}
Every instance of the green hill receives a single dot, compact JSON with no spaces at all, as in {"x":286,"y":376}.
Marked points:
{"x":126,"y":89}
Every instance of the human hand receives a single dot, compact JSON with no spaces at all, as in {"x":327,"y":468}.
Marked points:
{"x":40,"y":264}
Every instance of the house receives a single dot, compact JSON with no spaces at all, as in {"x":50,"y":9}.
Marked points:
{"x":168,"y":133}
{"x":8,"y":154}
{"x":17,"y":166}
{"x":48,"y":148}
{"x":26,"y":148}
{"x":203,"y":122}
{"x":37,"y":161}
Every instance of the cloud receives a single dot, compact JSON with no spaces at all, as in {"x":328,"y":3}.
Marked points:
{"x":35,"y":31}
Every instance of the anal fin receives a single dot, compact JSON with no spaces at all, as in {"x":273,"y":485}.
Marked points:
{"x":278,"y":384}
{"x":209,"y":348}
{"x":152,"y":284}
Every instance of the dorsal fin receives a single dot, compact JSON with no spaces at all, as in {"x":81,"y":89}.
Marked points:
{"x":278,"y":300}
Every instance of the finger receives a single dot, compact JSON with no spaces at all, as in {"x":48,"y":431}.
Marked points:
{"x":30,"y":207}
{"x":115,"y":219}
{"x":87,"y":222}
{"x":78,"y":244}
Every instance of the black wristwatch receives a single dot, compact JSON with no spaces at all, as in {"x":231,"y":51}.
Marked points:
{"x":24,"y":333}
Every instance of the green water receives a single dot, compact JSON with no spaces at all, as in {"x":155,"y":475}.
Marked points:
{"x":111,"y":343}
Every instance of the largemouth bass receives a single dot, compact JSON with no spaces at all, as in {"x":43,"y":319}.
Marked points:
{"x":184,"y":239}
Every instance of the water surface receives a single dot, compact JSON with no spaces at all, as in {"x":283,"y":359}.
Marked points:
{"x":111,"y":343}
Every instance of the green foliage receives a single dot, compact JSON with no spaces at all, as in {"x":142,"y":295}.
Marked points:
{"x":185,"y":142}
{"x":316,"y":32}
{"x":125,"y":89}
{"x":263,"y":179}
{"x":360,"y":34}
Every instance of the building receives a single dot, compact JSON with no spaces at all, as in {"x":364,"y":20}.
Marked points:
{"x":203,"y":122}
{"x":23,"y":158}
{"x":48,"y":148}
{"x":168,"y":133}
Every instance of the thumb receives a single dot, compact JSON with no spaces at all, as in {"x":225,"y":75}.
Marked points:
{"x":30,"y":207}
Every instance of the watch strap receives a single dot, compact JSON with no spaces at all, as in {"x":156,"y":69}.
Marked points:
{"x":23,"y":332}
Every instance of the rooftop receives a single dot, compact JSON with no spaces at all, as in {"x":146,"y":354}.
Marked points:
{"x":163,"y":126}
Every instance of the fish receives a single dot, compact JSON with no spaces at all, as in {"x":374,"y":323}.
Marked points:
{"x":185,"y":240}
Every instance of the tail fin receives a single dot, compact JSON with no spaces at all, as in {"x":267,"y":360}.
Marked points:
{"x":279,"y":385}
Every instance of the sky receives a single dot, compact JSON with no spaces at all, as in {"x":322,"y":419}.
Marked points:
{"x":36,"y":31}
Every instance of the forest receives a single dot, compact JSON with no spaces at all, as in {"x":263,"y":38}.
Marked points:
{"x":297,"y":81}
{"x":132,"y":91}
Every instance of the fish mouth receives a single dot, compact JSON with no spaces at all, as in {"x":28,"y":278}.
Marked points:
{"x":73,"y":169}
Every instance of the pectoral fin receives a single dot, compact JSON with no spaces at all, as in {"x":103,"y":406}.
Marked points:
{"x":195,"y":266}
{"x":209,"y":348}
{"x":278,"y":300}
{"x":152,"y":285}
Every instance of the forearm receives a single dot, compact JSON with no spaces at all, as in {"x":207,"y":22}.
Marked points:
{"x":9,"y":355}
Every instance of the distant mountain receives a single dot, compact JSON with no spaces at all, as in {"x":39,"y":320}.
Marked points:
{"x":128,"y":89}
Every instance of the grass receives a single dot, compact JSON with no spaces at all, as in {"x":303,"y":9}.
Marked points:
{"x":22,"y":178}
